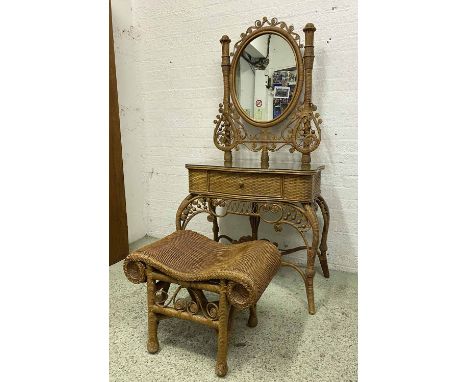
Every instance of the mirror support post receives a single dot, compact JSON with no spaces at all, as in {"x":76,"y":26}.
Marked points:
{"x":309,"y":30}
{"x":226,"y":67}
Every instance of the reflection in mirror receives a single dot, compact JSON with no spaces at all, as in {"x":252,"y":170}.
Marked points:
{"x":266,"y":77}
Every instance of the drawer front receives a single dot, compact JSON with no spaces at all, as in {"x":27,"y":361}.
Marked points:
{"x":303,"y":188}
{"x":198,"y":180}
{"x":245,"y":184}
{"x":297,"y":187}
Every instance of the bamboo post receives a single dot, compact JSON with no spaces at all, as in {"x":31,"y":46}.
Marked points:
{"x":153,"y":343}
{"x":221,"y":358}
{"x":309,"y":30}
{"x":226,"y":67}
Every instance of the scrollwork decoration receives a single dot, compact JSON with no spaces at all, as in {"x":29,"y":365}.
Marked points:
{"x":282,"y":213}
{"x":228,"y":131}
{"x":212,"y":311}
{"x":276,"y":213}
{"x":184,"y":304}
{"x":161,"y":296}
{"x":192,"y":208}
{"x":274,"y":23}
{"x":194,"y":305}
{"x":300,"y":133}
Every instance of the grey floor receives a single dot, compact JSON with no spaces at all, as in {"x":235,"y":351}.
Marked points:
{"x":287,"y":345}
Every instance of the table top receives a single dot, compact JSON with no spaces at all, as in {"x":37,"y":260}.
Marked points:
{"x":255,"y":166}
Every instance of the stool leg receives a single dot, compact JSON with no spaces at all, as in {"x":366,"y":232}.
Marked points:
{"x":232,"y":311}
{"x":253,"y":321}
{"x":153,"y":343}
{"x":221,"y":362}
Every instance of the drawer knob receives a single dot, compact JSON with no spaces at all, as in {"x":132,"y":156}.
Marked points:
{"x":241,"y":185}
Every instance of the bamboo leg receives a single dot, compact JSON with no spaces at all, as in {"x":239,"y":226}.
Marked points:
{"x":153,"y":343}
{"x":254,"y":221}
{"x":253,"y":321}
{"x":311,"y":253}
{"x":221,"y":359}
{"x":323,"y":242}
{"x":310,"y":273}
{"x":215,"y":229}
{"x":232,"y":311}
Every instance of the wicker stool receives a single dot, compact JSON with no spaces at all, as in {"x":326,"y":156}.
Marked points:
{"x":238,"y":273}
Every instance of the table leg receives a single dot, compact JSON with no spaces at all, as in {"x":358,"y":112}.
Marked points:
{"x":215,"y":229}
{"x":254,"y":221}
{"x":323,"y":242}
{"x":311,"y":253}
{"x":214,"y":219}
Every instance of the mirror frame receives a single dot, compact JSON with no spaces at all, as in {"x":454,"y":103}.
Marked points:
{"x":302,"y":131}
{"x":299,"y":81}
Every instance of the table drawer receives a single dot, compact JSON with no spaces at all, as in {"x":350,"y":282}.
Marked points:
{"x":245,"y":184}
{"x":289,"y":187}
{"x":198,"y":180}
{"x":299,"y":187}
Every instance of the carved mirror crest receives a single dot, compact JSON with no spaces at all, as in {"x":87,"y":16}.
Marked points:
{"x":262,"y":88}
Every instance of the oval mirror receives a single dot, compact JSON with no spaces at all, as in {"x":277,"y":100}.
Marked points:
{"x":265,"y":79}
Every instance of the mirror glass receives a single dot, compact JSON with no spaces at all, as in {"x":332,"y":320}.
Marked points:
{"x":266,"y":77}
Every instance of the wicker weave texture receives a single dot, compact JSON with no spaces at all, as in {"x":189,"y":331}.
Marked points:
{"x":297,"y":187}
{"x":198,"y":180}
{"x":245,"y":184}
{"x":286,"y":186}
{"x":189,"y":256}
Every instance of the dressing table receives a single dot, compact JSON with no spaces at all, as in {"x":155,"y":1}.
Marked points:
{"x":267,"y":105}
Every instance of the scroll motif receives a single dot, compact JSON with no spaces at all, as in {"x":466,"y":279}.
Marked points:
{"x":280,"y":213}
{"x":194,"y":305}
{"x":276,"y":213}
{"x":300,"y":133}
{"x":274,"y":23}
{"x":193,"y":207}
{"x":303,"y":133}
{"x":228,"y":129}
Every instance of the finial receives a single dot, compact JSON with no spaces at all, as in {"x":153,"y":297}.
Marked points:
{"x":309,"y":26}
{"x":225,"y":38}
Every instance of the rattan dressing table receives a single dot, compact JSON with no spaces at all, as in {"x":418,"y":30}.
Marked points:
{"x":270,"y":59}
{"x":279,"y":194}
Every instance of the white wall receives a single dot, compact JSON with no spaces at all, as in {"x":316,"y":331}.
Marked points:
{"x":132,"y":126}
{"x":178,"y":86}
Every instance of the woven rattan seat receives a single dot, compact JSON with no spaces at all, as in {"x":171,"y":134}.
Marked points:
{"x":239,"y":273}
{"x":189,"y":256}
